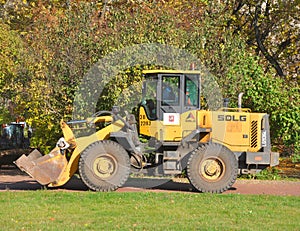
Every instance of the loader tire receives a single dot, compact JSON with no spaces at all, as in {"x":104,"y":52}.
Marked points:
{"x":104,"y":166}
{"x":212,"y":168}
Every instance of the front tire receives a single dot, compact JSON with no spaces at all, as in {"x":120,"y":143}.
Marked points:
{"x":104,"y":166}
{"x":212,"y":168}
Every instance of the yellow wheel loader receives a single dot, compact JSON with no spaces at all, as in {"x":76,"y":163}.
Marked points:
{"x":213,"y":147}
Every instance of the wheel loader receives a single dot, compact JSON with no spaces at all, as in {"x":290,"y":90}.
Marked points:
{"x":211,"y":147}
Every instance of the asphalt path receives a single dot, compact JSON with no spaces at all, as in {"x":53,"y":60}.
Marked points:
{"x":12,"y":179}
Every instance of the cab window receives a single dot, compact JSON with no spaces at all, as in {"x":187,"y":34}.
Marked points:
{"x":170,"y":90}
{"x":191,"y":90}
{"x":149,"y":97}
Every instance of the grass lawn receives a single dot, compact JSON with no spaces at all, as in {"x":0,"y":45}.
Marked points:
{"x":49,"y":210}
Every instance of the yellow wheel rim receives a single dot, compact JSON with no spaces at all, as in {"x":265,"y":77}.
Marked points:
{"x":212,"y":169}
{"x":105,"y":166}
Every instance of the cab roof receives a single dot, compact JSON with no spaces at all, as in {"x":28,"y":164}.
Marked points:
{"x":171,"y":72}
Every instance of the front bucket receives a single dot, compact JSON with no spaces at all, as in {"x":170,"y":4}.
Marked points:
{"x":44,"y":169}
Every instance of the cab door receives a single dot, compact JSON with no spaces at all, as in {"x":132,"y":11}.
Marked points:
{"x":169,"y":94}
{"x":178,"y":99}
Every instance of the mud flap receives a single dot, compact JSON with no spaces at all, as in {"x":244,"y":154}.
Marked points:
{"x":274,"y":159}
{"x":44,"y":169}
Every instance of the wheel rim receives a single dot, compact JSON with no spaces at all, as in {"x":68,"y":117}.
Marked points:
{"x":212,"y":169}
{"x":105,"y":166}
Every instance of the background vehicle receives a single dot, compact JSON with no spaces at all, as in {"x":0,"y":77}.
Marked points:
{"x":14,"y":141}
{"x":212,"y":146}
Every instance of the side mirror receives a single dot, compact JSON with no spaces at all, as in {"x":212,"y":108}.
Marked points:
{"x":144,"y":89}
{"x":29,"y":132}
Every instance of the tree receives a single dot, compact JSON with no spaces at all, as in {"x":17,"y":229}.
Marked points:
{"x":12,"y":52}
{"x":272,"y":29}
{"x":245,"y":44}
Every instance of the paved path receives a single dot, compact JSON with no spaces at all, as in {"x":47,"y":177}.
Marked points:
{"x":13,"y":179}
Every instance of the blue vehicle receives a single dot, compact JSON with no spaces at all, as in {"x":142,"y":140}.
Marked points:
{"x":14,"y":141}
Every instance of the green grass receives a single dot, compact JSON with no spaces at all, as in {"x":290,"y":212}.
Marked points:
{"x":49,"y":210}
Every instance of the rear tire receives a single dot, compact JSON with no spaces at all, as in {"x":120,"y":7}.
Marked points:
{"x":212,"y":168}
{"x":104,"y":166}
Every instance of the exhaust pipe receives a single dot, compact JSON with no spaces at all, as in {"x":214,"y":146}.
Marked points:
{"x":240,"y":101}
{"x":225,"y":104}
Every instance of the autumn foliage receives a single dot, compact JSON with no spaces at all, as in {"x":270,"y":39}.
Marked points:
{"x":46,"y":47}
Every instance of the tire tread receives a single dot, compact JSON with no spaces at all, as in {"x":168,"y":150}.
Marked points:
{"x":212,"y":187}
{"x":102,"y":185}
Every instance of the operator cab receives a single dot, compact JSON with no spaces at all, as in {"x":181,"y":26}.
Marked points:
{"x":170,"y":91}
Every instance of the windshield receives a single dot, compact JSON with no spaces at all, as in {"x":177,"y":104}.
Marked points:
{"x":149,"y":97}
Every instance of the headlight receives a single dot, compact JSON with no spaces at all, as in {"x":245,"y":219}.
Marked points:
{"x":62,"y":144}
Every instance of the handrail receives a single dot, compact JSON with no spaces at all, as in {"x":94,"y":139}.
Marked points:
{"x":234,"y":109}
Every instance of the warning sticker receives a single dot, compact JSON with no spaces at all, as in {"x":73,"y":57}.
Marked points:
{"x":190,"y":118}
{"x":171,"y":119}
